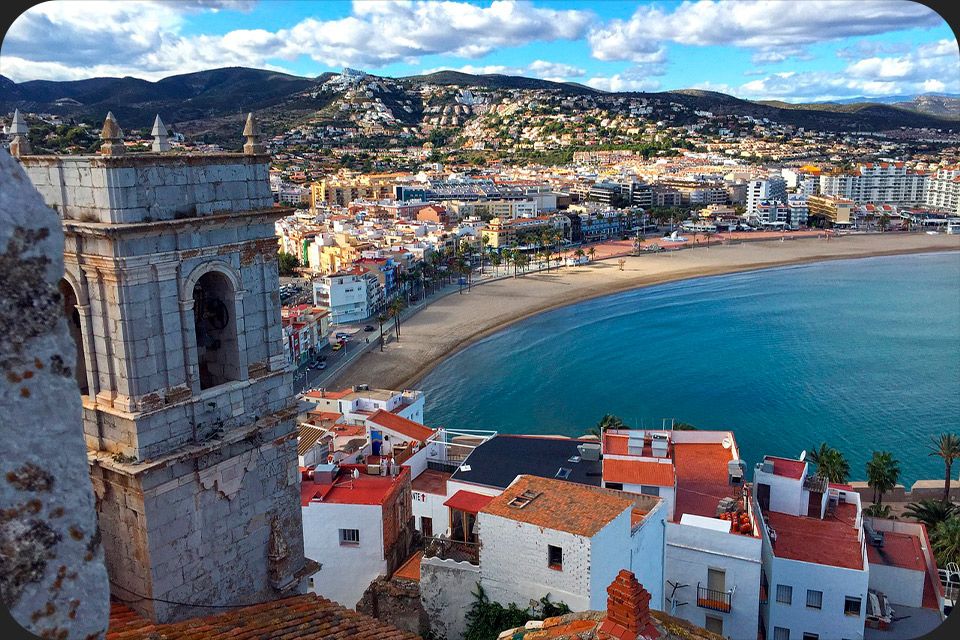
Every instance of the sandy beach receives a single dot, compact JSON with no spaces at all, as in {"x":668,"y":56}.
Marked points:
{"x":456,"y":321}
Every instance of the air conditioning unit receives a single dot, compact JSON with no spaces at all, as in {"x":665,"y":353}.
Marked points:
{"x":373,"y":469}
{"x":735,"y":471}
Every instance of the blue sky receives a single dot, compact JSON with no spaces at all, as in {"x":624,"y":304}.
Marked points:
{"x":797,"y":51}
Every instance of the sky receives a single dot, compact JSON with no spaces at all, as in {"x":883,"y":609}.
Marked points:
{"x":796,"y":51}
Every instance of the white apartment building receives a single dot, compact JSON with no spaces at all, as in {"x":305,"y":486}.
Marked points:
{"x":815,"y":574}
{"x":799,"y":210}
{"x":357,"y":404}
{"x":711,"y":566}
{"x":356,"y":525}
{"x":544,"y":535}
{"x":943,"y":190}
{"x":877,"y":182}
{"x":350,"y":296}
{"x":770,"y":188}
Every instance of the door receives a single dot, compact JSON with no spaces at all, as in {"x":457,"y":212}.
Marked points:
{"x":426,"y":526}
{"x":716,"y":579}
{"x":763,"y":497}
{"x":714,"y":624}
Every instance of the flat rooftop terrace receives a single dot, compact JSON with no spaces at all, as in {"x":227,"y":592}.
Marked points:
{"x":832,"y":541}
{"x":498,"y":461}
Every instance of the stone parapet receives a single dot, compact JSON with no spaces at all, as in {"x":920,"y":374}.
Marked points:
{"x":150,"y":187}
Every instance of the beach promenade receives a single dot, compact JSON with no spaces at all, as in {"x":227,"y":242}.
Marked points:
{"x":455,"y":321}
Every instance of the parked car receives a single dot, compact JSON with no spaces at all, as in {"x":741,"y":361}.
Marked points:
{"x":321,"y":365}
{"x":369,"y":327}
{"x":337,"y":347}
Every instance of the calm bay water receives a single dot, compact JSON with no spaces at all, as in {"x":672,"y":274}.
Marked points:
{"x":863,"y":354}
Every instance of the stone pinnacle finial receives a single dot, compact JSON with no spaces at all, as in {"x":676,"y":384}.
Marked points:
{"x":20,"y":145}
{"x":161,"y":141}
{"x":112,"y":137}
{"x":251,"y":131}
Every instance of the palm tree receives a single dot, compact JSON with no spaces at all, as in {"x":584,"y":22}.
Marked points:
{"x":484,"y":241}
{"x":381,"y":318}
{"x":395,"y":308}
{"x":931,"y":512}
{"x":495,"y":261}
{"x":593,"y":253}
{"x":877,"y":511}
{"x":947,"y":447}
{"x":608,"y":421}
{"x":831,"y":464}
{"x":946,"y":541}
{"x":883,"y":471}
{"x":579,"y":254}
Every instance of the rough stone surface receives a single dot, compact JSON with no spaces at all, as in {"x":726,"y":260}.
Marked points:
{"x":52,"y":576}
{"x":396,"y":602}
{"x":446,"y":592}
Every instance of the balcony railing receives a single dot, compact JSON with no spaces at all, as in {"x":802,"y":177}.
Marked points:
{"x":713,"y":599}
{"x":447,"y":549}
{"x":448,"y":466}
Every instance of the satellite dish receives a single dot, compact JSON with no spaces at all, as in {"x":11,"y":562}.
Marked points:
{"x":803,"y":455}
{"x":726,"y":443}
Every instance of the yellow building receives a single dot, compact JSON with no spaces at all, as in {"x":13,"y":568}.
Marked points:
{"x":344,"y":188}
{"x":834,"y":208}
{"x":503,"y":233}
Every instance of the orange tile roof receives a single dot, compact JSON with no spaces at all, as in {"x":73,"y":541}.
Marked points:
{"x":303,"y":617}
{"x":409,"y":428}
{"x":638,"y":472}
{"x":563,"y":506}
{"x":830,"y":541}
{"x":787,"y":468}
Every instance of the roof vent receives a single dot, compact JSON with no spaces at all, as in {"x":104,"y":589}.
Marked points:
{"x":589,"y":451}
{"x":522,"y":500}
{"x":563,"y":473}
{"x":573,"y":459}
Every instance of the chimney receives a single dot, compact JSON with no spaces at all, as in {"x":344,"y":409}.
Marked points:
{"x":628,"y":609}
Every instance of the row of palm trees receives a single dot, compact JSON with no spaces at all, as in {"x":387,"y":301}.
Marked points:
{"x":941,"y":517}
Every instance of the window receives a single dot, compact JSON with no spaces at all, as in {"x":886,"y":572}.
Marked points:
{"x":349,"y":536}
{"x":814,"y":599}
{"x":784,"y":593}
{"x":715,"y":625}
{"x":810,"y":636}
{"x":649,"y":490}
{"x":851,"y":606}
{"x":614,"y":485}
{"x":554,"y":557}
{"x":779,"y":633}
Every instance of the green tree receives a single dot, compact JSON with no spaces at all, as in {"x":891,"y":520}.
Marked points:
{"x":287,"y":263}
{"x":930,"y":512}
{"x":579,"y":253}
{"x":381,"y":318}
{"x":486,"y":619}
{"x":683,"y":426}
{"x":946,"y":541}
{"x":831,"y":464}
{"x":883,"y":471}
{"x":877,"y":511}
{"x":593,"y":253}
{"x":947,"y":447}
{"x":608,"y":421}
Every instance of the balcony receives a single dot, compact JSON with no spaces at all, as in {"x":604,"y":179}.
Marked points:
{"x":713,"y":599}
{"x":447,"y":549}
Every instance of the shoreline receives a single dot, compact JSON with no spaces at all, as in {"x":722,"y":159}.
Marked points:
{"x":444,"y":328}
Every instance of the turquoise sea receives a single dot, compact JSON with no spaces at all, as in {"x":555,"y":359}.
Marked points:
{"x":863,"y":354}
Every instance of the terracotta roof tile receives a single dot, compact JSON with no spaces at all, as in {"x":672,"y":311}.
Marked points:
{"x":559,"y":505}
{"x":303,"y":617}
{"x":409,"y":428}
{"x":638,"y":472}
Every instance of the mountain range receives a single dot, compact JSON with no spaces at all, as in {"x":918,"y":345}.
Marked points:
{"x":207,"y":101}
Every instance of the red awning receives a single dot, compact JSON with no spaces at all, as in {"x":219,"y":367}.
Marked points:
{"x":468,"y":501}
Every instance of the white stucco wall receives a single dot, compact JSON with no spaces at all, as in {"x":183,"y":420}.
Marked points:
{"x":430,"y":505}
{"x":513,"y":563}
{"x":786,"y":494}
{"x":901,"y":586}
{"x":347,"y":570}
{"x":835,"y":583}
{"x":647,"y":559}
{"x":667,"y":494}
{"x":690,"y":552}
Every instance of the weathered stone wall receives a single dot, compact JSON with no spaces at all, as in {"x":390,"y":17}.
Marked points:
{"x":145,"y":187}
{"x":396,"y":602}
{"x":52,"y":577}
{"x":446,"y":592}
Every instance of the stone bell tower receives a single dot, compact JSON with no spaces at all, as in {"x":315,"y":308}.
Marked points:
{"x":171,"y":294}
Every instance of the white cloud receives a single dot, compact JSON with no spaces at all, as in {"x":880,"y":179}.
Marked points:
{"x":633,"y":79}
{"x":777,"y":29}
{"x":69,"y":39}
